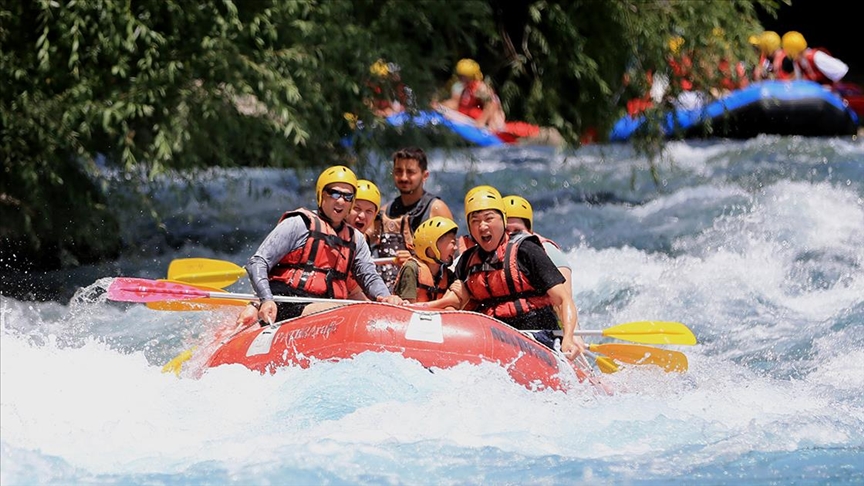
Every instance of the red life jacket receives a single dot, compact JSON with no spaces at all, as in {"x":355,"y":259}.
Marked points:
{"x":499,"y":287}
{"x":682,"y":71}
{"x":469,"y":103}
{"x":732,"y":77}
{"x":808,"y":68}
{"x":427,"y":289}
{"x":321,"y":266}
{"x":779,"y":73}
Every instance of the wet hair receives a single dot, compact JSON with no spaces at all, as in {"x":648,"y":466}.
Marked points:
{"x":412,"y":153}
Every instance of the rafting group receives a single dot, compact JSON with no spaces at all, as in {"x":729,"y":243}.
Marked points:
{"x":503,"y":269}
{"x":785,"y":58}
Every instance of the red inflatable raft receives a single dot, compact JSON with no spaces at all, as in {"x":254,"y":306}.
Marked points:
{"x":435,"y":339}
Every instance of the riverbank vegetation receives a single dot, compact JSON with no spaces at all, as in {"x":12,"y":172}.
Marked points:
{"x":164,"y":85}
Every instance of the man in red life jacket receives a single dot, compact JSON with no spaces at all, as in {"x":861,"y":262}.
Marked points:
{"x":426,"y":277}
{"x":310,"y":254}
{"x":512,"y":278}
{"x":401,"y":217}
{"x":813,"y":64}
{"x":520,"y":218}
{"x":476,"y":98}
{"x":768,"y":45}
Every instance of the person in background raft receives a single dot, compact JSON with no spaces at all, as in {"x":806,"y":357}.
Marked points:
{"x":401,"y":217}
{"x":476,"y":98}
{"x":310,"y":254}
{"x":426,"y":276}
{"x":767,"y":45}
{"x":520,"y":217}
{"x":511,"y":278}
{"x":814,"y":64}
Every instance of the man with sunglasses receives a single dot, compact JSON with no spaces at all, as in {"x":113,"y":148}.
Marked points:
{"x":310,"y":254}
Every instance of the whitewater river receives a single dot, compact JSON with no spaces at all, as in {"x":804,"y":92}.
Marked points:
{"x":757,"y":246}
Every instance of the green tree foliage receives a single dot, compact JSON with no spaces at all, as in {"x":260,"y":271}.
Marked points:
{"x":156,"y":85}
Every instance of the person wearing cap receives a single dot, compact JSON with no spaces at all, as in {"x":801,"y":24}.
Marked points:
{"x":401,"y":217}
{"x":511,"y":278}
{"x":311,"y":253}
{"x":476,"y":98}
{"x":520,"y":217}
{"x":814,"y":64}
{"x":426,"y":277}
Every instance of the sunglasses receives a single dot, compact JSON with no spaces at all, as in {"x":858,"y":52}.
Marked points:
{"x":336,"y":194}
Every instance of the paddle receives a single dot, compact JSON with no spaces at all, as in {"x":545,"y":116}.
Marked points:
{"x":205,"y":271}
{"x":195,"y":304}
{"x":176,"y":364}
{"x":125,"y":289}
{"x":646,"y":332}
{"x":642,"y":355}
{"x":219,"y":273}
{"x":604,"y":364}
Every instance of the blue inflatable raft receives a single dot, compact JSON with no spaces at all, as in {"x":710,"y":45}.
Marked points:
{"x":769,"y":107}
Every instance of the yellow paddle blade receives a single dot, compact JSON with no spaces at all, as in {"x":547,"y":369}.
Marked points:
{"x":176,"y":364}
{"x":195,"y":304}
{"x":652,"y":332}
{"x":205,"y":271}
{"x":606,"y":365}
{"x":643,"y":355}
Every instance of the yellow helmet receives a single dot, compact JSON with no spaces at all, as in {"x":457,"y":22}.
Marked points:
{"x":519,"y":207}
{"x":379,"y":68}
{"x":675,"y":44}
{"x":793,"y":43}
{"x":337,"y":173}
{"x":428,"y":234}
{"x":485,"y":199}
{"x":368,"y":191}
{"x":769,"y":42}
{"x":469,"y":68}
{"x":476,"y":189}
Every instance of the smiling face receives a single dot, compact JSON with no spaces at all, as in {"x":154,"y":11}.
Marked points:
{"x":408,"y":176}
{"x":362,"y":214}
{"x":337,"y":210}
{"x":487,"y":228}
{"x":447,"y":247}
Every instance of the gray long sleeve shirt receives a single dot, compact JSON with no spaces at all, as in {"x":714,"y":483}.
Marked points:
{"x":291,"y":234}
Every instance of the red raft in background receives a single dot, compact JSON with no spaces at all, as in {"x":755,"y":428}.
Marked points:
{"x":435,"y":339}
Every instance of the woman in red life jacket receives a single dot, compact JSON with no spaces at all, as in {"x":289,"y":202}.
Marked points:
{"x":512,"y":278}
{"x":520,"y":217}
{"x":425,"y":277}
{"x":476,"y":98}
{"x":310,"y":254}
{"x":813,"y":64}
